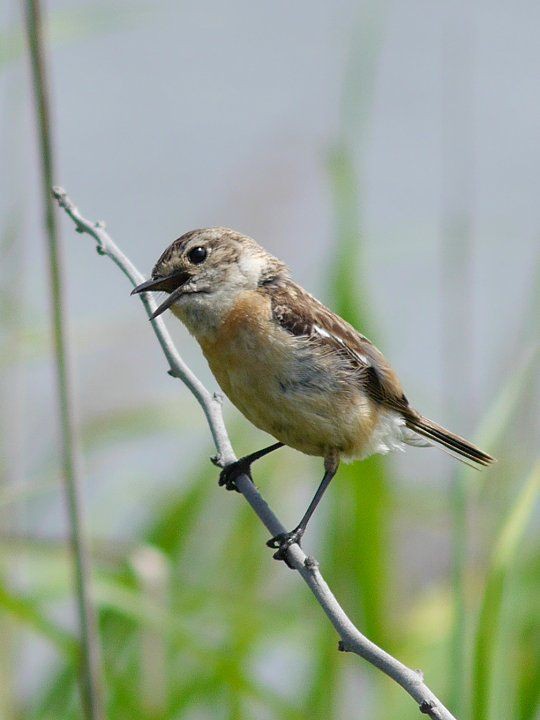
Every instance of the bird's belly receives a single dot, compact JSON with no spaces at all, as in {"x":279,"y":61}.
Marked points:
{"x":291,"y":393}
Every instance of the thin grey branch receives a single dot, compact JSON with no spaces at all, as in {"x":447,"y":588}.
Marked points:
{"x":351,"y":639}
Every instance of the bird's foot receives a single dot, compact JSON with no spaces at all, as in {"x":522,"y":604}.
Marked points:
{"x":229,"y":474}
{"x":282,"y":542}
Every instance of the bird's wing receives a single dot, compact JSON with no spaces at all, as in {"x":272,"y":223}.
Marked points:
{"x":302,"y":315}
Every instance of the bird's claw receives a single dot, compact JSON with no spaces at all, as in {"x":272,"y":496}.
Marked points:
{"x":282,"y":542}
{"x":227,"y":477}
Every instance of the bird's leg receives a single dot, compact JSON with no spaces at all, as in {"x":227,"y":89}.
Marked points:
{"x":228,"y":475}
{"x":283,"y":541}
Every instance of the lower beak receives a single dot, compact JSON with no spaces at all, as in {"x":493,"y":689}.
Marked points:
{"x":172,"y":284}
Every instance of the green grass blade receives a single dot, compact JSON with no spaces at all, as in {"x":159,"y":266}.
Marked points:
{"x":497,"y":419}
{"x":27,"y":612}
{"x":74,"y":24}
{"x":491,"y":431}
{"x":363,"y":494}
{"x":355,"y":547}
{"x":501,"y":562}
{"x":528,"y":666}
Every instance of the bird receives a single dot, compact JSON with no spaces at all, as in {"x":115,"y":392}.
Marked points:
{"x":293,"y":368}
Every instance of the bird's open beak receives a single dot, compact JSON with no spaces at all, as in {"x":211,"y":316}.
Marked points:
{"x":172,"y":284}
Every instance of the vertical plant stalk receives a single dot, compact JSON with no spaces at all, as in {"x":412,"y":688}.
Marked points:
{"x":362,"y":499}
{"x":153,"y":579}
{"x":456,"y":321}
{"x":90,"y":670}
{"x":502,"y":560}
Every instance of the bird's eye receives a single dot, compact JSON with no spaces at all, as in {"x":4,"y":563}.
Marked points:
{"x":197,"y":255}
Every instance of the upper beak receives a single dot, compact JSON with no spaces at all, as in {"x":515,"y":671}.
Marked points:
{"x":171,"y":284}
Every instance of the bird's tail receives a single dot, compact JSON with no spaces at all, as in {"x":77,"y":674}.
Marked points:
{"x":455,"y":445}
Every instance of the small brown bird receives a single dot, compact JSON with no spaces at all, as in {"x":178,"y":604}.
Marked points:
{"x":289,"y":364}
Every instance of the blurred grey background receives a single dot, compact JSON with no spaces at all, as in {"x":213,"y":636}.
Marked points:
{"x":175,"y":115}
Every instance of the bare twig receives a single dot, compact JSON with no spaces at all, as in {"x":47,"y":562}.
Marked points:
{"x":351,"y":639}
{"x":90,"y":676}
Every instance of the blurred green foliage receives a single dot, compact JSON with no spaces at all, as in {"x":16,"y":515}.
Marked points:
{"x":195,"y":619}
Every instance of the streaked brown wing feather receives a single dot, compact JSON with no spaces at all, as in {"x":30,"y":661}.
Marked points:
{"x":301,"y":314}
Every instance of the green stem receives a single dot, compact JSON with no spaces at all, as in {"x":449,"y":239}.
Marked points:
{"x":458,"y":310}
{"x":458,"y":503}
{"x":489,"y":620}
{"x":91,"y":685}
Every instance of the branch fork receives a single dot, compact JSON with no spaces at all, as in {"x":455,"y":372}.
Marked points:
{"x":351,"y":639}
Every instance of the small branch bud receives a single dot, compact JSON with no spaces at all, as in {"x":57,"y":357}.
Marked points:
{"x":310,"y":563}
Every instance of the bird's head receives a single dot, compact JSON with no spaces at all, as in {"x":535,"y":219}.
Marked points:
{"x":204,"y":270}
